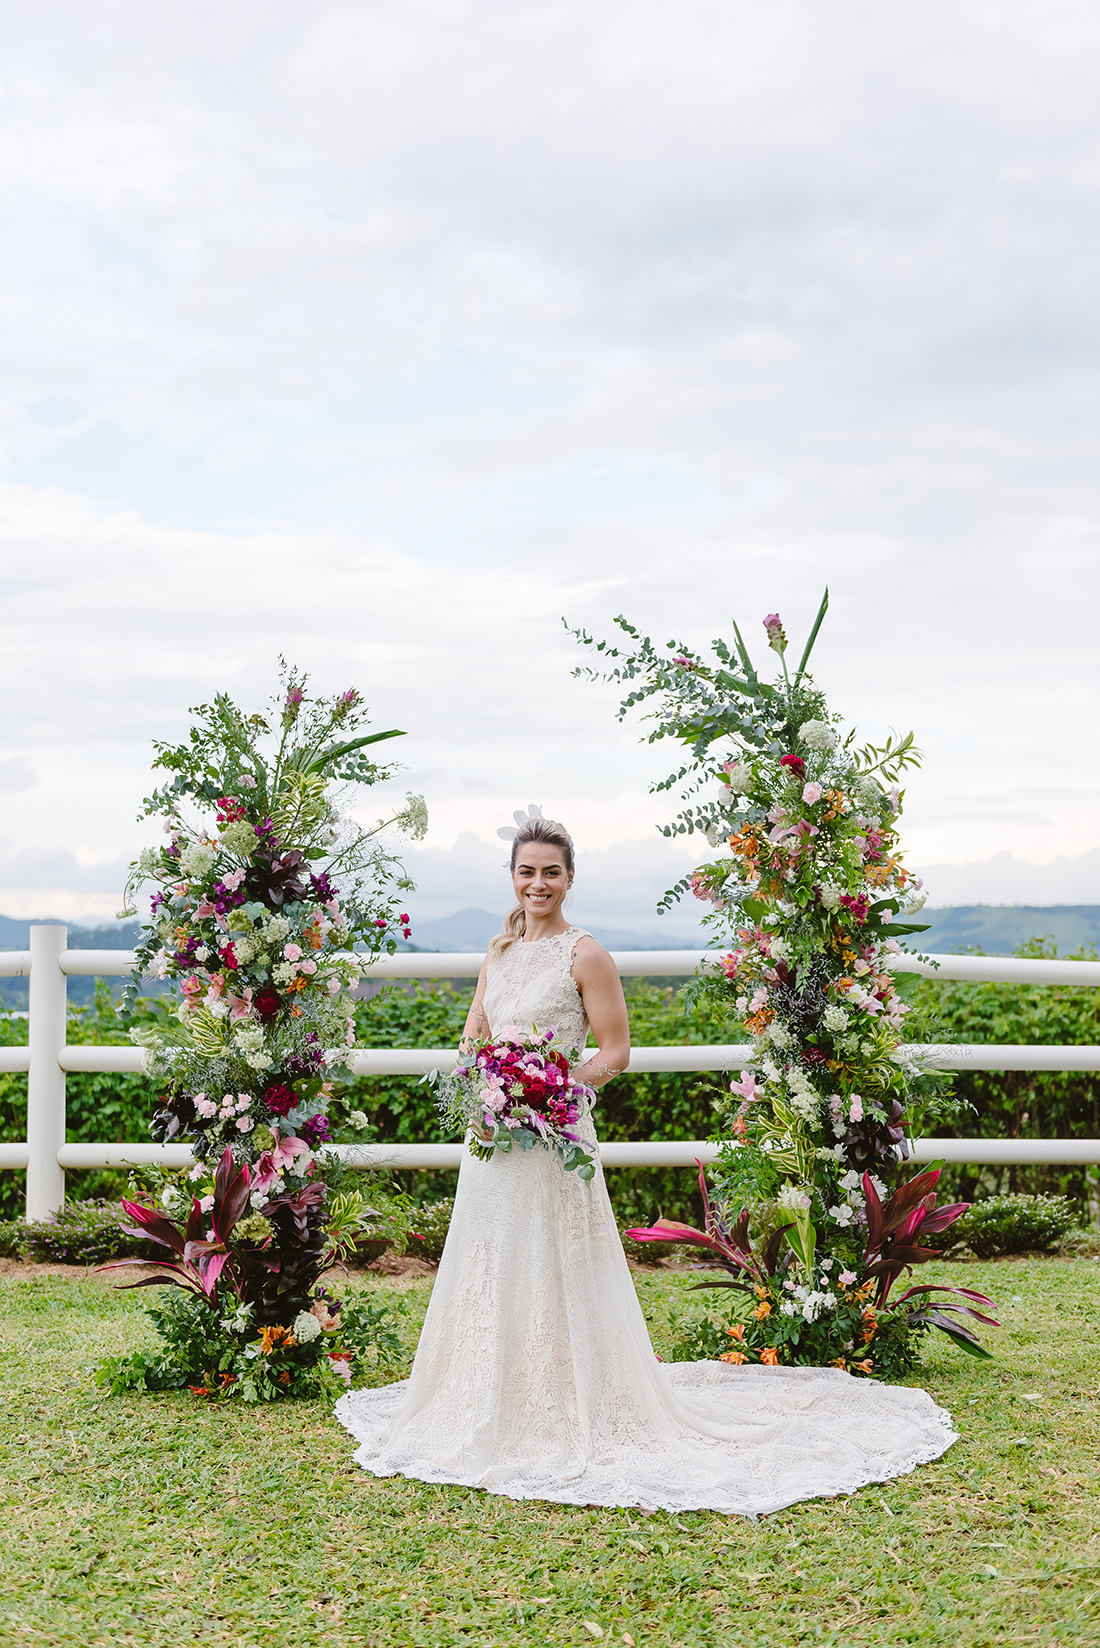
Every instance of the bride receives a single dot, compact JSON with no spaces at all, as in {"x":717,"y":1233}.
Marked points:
{"x":534,"y":1376}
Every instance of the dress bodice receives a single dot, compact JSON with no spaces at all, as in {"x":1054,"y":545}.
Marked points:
{"x":531,"y":984}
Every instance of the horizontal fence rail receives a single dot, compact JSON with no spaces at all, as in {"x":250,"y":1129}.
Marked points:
{"x":47,"y":1058}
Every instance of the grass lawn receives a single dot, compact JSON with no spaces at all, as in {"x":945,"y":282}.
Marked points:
{"x":161,"y":1521}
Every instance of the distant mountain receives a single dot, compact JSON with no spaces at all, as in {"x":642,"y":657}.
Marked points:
{"x":16,"y":935}
{"x":472,"y":929}
{"x":999,"y":928}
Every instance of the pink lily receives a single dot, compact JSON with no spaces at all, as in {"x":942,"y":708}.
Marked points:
{"x":240,"y":1006}
{"x":285,"y":1152}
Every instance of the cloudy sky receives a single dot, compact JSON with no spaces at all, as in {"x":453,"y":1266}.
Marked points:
{"x":385,"y":336}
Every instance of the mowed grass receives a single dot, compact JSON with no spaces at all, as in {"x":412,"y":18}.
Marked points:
{"x":162,"y":1521}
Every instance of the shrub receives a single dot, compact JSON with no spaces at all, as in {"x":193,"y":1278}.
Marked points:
{"x":1015,"y":1224}
{"x":430,"y":1224}
{"x":12,"y":1239}
{"x":83,"y":1233}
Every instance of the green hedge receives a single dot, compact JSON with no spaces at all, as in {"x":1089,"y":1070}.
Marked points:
{"x":1025,"y":1104}
{"x":1004,"y":1104}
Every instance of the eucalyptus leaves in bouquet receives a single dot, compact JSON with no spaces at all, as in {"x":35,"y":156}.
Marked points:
{"x":809,"y":900}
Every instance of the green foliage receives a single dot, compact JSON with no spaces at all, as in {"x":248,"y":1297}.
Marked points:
{"x":12,"y":1238}
{"x":432,"y":1222}
{"x":223,"y":1357}
{"x":99,"y":1105}
{"x":83,"y":1233}
{"x":1015,"y":1224}
{"x":1025,"y":1104}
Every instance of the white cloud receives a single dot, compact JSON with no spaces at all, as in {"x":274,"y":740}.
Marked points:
{"x":384,"y":336}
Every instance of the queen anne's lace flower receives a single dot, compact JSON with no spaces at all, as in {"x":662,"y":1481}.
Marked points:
{"x":306,"y":1327}
{"x":817,"y":735}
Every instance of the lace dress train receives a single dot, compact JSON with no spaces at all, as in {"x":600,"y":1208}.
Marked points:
{"x":535,"y":1378}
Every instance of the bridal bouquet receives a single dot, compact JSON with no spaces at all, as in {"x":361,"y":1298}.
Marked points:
{"x":516,"y":1090}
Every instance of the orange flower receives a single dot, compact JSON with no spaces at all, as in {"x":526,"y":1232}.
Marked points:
{"x":839,"y":1363}
{"x":737,"y":1333}
{"x":865,"y":1366}
{"x":758,"y":1022}
{"x":284,"y":1378}
{"x":870,"y":1325}
{"x":770,"y":1356}
{"x":272,"y":1338}
{"x":764,"y":1308}
{"x":228,"y":1378}
{"x":735,"y":1356}
{"x":296,"y":984}
{"x":199,"y":1390}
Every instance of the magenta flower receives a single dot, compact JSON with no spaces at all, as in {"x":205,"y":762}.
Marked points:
{"x":776,"y":638}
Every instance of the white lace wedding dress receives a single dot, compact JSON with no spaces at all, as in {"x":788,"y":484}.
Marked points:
{"x":535,"y":1377}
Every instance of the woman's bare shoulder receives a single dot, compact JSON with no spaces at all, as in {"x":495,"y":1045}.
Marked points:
{"x":590,"y":955}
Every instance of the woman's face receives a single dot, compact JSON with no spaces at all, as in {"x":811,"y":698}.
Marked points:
{"x":540,"y":878}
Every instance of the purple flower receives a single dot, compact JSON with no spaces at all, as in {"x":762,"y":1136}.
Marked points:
{"x":316,"y":1130}
{"x":322,"y":887}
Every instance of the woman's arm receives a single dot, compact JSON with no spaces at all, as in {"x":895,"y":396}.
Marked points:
{"x":602,"y":993}
{"x":477,"y":1025}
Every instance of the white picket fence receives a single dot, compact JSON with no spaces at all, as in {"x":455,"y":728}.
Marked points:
{"x":47,"y":1058}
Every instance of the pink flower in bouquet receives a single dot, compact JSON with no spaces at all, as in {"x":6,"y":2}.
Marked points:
{"x":341,"y":1364}
{"x":748,"y":1087}
{"x":240,"y":1006}
{"x":205,"y":1107}
{"x":286,"y":1152}
{"x":292,"y":952}
{"x":846,"y":1278}
{"x":205,"y":909}
{"x":855,"y":1109}
{"x":192,"y":988}
{"x":811,"y":794}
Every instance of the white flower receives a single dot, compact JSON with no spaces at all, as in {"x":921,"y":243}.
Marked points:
{"x":793,"y":1198}
{"x":149,"y":859}
{"x":817,"y":735}
{"x":306,"y":1327}
{"x":830,"y":896}
{"x":916,"y":901}
{"x":357,"y":1120}
{"x":413,"y":817}
{"x":779,"y":949}
{"x":716,"y":833}
{"x":867,"y":793}
{"x":739,"y":775}
{"x":841,"y":1214}
{"x":851,"y":1180}
{"x":789,"y":1308}
{"x":835,"y":1019}
{"x":779,"y":1035}
{"x":197,"y":860}
{"x":805,"y":1101}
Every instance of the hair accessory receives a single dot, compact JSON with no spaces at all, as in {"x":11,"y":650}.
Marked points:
{"x":507,"y":833}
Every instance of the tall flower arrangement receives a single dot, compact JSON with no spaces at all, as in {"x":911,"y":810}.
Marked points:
{"x":809,"y":902}
{"x":261,"y":887}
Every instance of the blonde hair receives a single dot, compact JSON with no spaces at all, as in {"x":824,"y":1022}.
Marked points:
{"x":515,"y":922}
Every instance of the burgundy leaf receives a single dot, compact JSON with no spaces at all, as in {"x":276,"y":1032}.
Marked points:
{"x":943,"y":1216}
{"x":154,"y":1226}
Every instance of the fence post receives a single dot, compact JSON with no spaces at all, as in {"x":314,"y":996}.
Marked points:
{"x":46,"y":1081}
